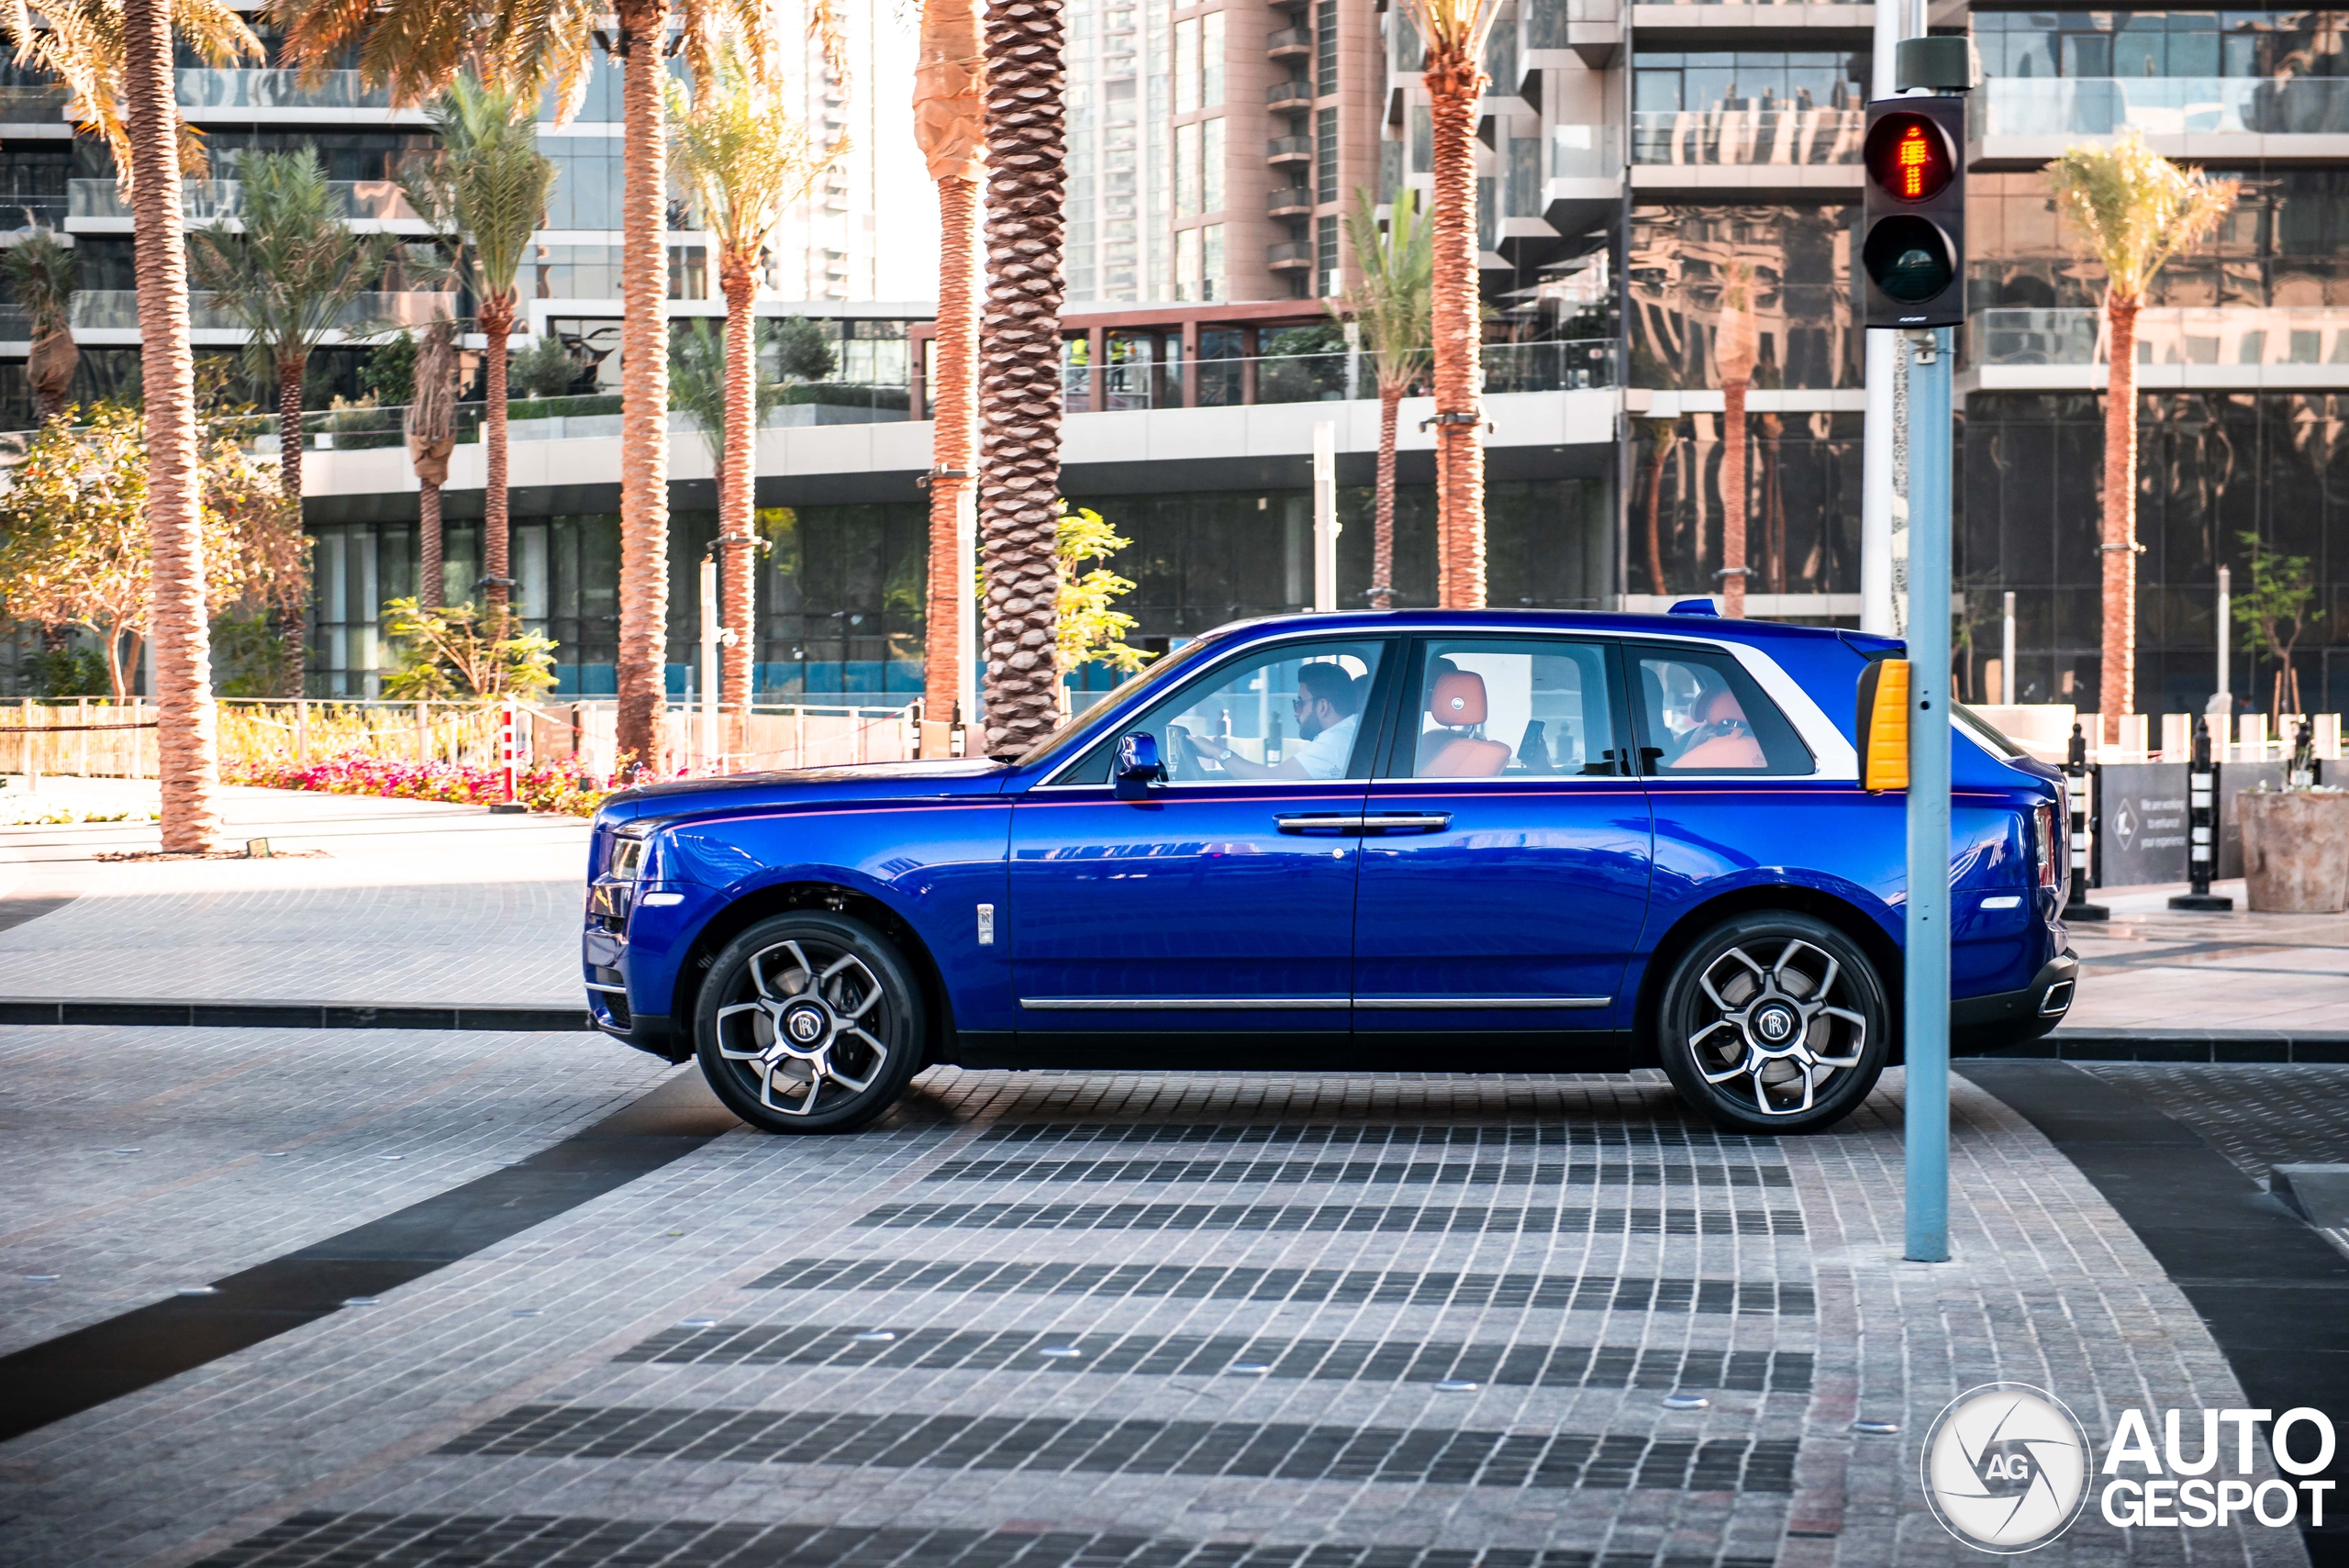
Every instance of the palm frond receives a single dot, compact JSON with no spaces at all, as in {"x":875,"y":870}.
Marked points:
{"x":2134,"y":209}
{"x":485,"y":193}
{"x":290,"y":268}
{"x":41,"y":275}
{"x":1393,"y":305}
{"x":744,"y":156}
{"x":81,"y":42}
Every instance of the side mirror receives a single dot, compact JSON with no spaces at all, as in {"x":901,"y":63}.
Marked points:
{"x":1138,"y":764}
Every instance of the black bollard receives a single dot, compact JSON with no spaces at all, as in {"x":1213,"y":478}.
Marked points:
{"x":2076,"y":788}
{"x":2303,"y":773}
{"x":2202,"y":818}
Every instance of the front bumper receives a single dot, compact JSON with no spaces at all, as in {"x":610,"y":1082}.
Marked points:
{"x":1979,"y":1025}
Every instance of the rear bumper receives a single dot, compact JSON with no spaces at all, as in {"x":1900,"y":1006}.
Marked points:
{"x":1979,"y":1024}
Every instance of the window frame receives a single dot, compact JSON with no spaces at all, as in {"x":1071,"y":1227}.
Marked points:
{"x":1399,"y":755}
{"x":1369,"y":740}
{"x":1749,"y":691}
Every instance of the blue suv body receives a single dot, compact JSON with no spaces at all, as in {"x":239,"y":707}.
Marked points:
{"x":1420,"y":840}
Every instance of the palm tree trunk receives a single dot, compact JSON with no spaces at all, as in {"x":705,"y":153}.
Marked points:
{"x":497,"y":531}
{"x":953,"y":445}
{"x":1019,"y":343}
{"x":2117,"y":683}
{"x":186,"y":721}
{"x":642,"y":676}
{"x":293,"y":626}
{"x":738,"y":483}
{"x":1454,"y":81}
{"x":1733,"y":498}
{"x":1382,"y":536}
{"x":427,"y":537}
{"x":1661,"y":435}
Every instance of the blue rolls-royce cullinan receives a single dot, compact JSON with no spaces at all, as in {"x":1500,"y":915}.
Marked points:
{"x":1422,"y":840}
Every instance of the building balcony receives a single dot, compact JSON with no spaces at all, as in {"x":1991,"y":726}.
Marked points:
{"x":1293,"y":202}
{"x":1294,"y":94}
{"x":206,"y":88}
{"x":33,"y":104}
{"x":95,"y":205}
{"x":1745,"y":138}
{"x":1292,"y":257}
{"x":2215,"y":346}
{"x":1677,"y":23}
{"x":116,"y":310}
{"x":2031,"y":119}
{"x":1289,"y":43}
{"x":18,"y":213}
{"x":1288,"y":150}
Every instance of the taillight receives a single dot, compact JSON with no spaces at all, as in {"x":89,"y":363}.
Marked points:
{"x":2051,"y":864}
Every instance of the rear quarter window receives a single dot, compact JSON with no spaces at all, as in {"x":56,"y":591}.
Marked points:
{"x":1701,"y":716}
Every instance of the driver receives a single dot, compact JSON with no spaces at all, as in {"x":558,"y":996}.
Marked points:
{"x":1327,"y":720}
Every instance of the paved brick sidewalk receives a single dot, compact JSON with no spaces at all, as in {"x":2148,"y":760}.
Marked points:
{"x":415,"y":902}
{"x":1571,"y":1250}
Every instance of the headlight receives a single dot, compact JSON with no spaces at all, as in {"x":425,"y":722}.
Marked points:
{"x":628,"y":851}
{"x":610,"y":896}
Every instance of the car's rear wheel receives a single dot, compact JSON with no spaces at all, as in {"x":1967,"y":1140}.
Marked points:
{"x":810,"y":1023}
{"x":1774,"y":1022}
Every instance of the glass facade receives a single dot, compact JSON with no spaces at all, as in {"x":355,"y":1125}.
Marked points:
{"x":1802,"y":505}
{"x":1790,"y":264}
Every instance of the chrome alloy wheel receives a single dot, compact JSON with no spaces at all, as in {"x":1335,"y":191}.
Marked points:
{"x":1783,"y":1025}
{"x":816,"y":1022}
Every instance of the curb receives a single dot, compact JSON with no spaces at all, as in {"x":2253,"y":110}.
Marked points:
{"x":2218,"y":1047}
{"x":291,"y":1015}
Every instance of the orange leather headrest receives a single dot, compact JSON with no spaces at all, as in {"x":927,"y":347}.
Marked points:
{"x":1458,"y":699}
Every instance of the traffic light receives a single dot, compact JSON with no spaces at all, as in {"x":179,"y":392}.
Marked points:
{"x":1913,"y":218}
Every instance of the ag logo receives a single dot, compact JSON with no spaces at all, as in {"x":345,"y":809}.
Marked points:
{"x":2006,"y":1467}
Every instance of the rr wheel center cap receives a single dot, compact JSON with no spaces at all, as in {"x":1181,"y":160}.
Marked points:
{"x":805,"y":1025}
{"x":1776,"y":1024}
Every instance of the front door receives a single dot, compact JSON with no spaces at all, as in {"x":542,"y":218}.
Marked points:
{"x":1215,"y":908}
{"x":1505,"y":865}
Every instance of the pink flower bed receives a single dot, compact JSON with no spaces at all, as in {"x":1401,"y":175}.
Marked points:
{"x":556,"y":787}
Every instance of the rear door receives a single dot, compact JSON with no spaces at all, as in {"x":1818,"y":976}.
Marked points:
{"x":1505,"y":852}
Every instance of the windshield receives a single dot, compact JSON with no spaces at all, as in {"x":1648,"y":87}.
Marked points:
{"x":1989,"y":734}
{"x":1151,"y":677}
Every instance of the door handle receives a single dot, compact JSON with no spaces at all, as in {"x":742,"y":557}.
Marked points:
{"x":1407,"y":822}
{"x":1319,"y":822}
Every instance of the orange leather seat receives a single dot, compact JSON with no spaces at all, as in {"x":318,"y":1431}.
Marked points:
{"x":1458,"y":704}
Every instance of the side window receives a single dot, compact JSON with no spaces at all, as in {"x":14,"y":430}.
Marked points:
{"x":1294,"y":711}
{"x":1510,"y":707}
{"x":1701,"y":713}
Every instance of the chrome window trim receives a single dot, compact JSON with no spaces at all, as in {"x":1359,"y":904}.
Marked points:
{"x":1385,"y":635}
{"x":1835,"y":760}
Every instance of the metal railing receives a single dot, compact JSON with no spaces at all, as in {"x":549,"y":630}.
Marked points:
{"x":32,"y":212}
{"x":2212,"y":335}
{"x":1565,"y":365}
{"x":33,"y":103}
{"x":1288,"y":251}
{"x":1586,"y":152}
{"x":1290,"y":92}
{"x":1286,"y":147}
{"x":204,"y":87}
{"x":2163,"y":106}
{"x":210,"y":201}
{"x":1747,"y":136}
{"x":100,"y":310}
{"x":1292,"y":198}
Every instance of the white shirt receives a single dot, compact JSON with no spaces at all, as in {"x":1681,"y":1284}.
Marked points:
{"x":1326,"y":755}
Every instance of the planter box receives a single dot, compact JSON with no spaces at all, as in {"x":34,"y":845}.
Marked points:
{"x":2295,"y":851}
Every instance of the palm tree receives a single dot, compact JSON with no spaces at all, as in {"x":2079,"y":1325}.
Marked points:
{"x":1019,"y":342}
{"x":2133,"y":210}
{"x":950,"y":126}
{"x":484,"y":194}
{"x":1389,"y":305}
{"x":117,"y":55}
{"x":1661,"y":434}
{"x":416,"y":46}
{"x":432,"y":441}
{"x":746,"y":159}
{"x":40,"y":274}
{"x":1734,"y":352}
{"x":1455,"y":32}
{"x":290,"y":276}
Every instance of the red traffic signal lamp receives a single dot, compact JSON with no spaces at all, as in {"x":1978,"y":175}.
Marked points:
{"x":1912,"y":214}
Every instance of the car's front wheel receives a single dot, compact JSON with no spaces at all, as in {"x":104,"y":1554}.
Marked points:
{"x":1774,"y":1022}
{"x":810,"y":1023}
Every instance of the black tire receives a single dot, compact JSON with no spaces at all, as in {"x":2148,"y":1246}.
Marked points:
{"x":1790,"y":1034}
{"x":809,"y":1007}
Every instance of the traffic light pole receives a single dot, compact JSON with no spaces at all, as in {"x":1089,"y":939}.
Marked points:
{"x":1925,"y":1004}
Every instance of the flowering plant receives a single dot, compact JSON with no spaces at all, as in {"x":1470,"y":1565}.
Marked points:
{"x":558,"y":787}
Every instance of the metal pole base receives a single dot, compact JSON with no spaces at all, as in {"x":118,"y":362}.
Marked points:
{"x":509,"y":808}
{"x":2088,"y":912}
{"x":2203,"y":903}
